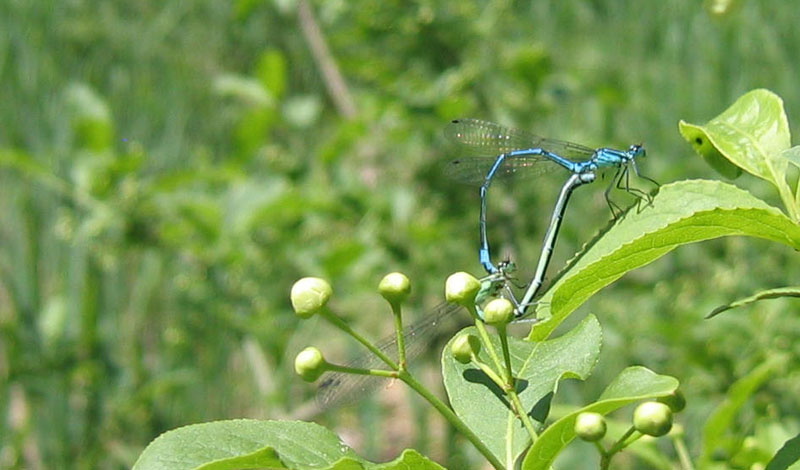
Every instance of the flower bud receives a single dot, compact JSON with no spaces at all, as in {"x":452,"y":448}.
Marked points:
{"x":310,"y":364}
{"x":395,"y":287}
{"x":309,"y":295}
{"x":675,"y":401}
{"x":652,"y":418}
{"x":464,"y":346}
{"x":590,"y":426}
{"x":461,"y":288}
{"x":498,"y":312}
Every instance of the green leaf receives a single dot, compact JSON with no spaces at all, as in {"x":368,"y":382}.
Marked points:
{"x":538,"y":366}
{"x":409,"y":460}
{"x":714,"y":432}
{"x":245,"y":443}
{"x":697,"y":136}
{"x":681,"y":213}
{"x":271,"y":71}
{"x":751,"y":134}
{"x":631,"y":385}
{"x":245,"y":89}
{"x":786,"y":456}
{"x":767,"y":294}
{"x":792,"y":155}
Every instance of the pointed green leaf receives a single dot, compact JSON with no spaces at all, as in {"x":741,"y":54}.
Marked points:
{"x":681,"y":213}
{"x":409,"y":460}
{"x":767,"y":294}
{"x":631,"y":385}
{"x":786,"y":456}
{"x":247,"y":443}
{"x":751,"y":134}
{"x":538,"y":366}
{"x":714,"y":432}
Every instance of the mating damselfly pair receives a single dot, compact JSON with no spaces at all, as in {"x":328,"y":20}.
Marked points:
{"x":494,"y":152}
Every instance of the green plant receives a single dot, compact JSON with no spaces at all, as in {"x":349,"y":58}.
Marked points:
{"x":504,"y":417}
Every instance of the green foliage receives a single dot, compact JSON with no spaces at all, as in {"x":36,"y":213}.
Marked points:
{"x":168,"y":169}
{"x":631,"y":385}
{"x":681,"y":213}
{"x":538,"y":367}
{"x":777,"y":293}
{"x":246,"y":443}
{"x":752,"y":134}
{"x":786,"y":456}
{"x":714,"y":432}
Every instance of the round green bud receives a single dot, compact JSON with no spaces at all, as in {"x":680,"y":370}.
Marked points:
{"x":464,"y":346}
{"x":675,"y":401}
{"x":310,"y":364}
{"x":461,"y":288}
{"x":652,"y":418}
{"x":590,"y":426}
{"x":309,"y":295}
{"x":498,"y":312}
{"x":395,"y":287}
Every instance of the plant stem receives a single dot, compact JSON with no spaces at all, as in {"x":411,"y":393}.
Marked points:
{"x":401,"y":341}
{"x":683,"y":453}
{"x":606,"y":455}
{"x":510,"y":385}
{"x":509,"y":376}
{"x":332,"y":77}
{"x":389,"y":374}
{"x":516,"y":403}
{"x":489,"y":372}
{"x":507,"y":381}
{"x":599,"y":446}
{"x":339,"y":323}
{"x":406,"y":377}
{"x":481,"y":327}
{"x":451,"y":417}
{"x":621,"y":444}
{"x":605,"y":460}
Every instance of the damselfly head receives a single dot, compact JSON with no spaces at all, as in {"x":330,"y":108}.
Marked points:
{"x":507,"y":266}
{"x":637,"y":151}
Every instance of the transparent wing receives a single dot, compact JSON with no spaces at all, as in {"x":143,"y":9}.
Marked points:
{"x":473,"y":170}
{"x":338,"y":388}
{"x":487,"y":139}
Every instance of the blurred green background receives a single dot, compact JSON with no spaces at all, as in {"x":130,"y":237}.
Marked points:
{"x":169,"y":169}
